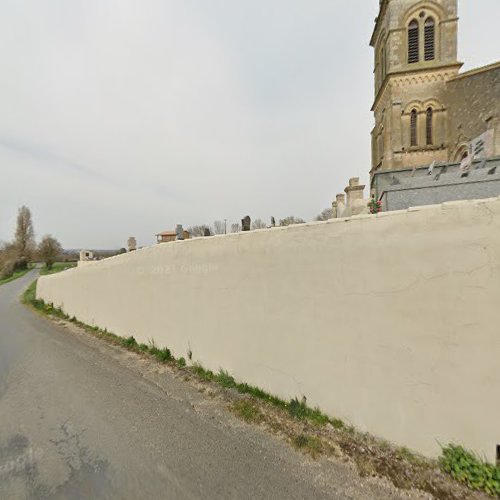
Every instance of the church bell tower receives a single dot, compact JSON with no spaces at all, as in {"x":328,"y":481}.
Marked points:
{"x":415,"y":47}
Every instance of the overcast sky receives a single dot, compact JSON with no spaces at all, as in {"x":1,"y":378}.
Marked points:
{"x":121,"y":117}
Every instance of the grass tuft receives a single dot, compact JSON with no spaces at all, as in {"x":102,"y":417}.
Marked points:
{"x":130,"y":342}
{"x":310,"y":444}
{"x":202,"y":373}
{"x":164,"y":355}
{"x":225,"y":380}
{"x":298,"y":409}
{"x":247,"y":410}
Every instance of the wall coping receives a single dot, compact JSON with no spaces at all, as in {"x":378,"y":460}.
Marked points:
{"x":296,"y":227}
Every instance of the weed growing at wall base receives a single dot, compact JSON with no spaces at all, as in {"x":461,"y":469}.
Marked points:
{"x":470,"y":470}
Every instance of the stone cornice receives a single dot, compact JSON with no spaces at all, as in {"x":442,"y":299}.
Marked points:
{"x":424,"y":74}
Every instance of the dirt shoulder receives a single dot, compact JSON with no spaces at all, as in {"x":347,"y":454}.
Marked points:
{"x":373,"y":461}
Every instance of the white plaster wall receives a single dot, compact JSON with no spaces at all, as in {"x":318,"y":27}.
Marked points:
{"x":390,"y":322}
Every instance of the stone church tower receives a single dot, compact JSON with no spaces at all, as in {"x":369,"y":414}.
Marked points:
{"x":415,"y":44}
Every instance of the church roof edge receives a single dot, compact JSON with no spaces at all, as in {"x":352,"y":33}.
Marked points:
{"x":475,"y":71}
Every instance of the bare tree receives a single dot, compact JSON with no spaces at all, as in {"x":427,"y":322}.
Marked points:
{"x":24,"y":237}
{"x":326,"y":214}
{"x":291,"y":220}
{"x":219,"y":227}
{"x":49,"y":250}
{"x":198,"y":231}
{"x":258,"y":224}
{"x":235,"y":228}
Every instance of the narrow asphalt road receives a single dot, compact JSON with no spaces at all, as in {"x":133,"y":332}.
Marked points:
{"x":77,"y":421}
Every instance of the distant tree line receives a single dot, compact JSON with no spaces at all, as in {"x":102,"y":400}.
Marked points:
{"x":23,"y":249}
{"x":221,"y":227}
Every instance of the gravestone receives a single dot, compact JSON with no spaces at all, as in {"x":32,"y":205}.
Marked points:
{"x":246,"y":223}
{"x":132,"y":244}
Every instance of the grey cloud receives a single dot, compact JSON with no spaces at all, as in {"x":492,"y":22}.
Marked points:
{"x":135,"y":116}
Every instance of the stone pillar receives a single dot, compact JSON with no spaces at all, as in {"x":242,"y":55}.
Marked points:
{"x":340,"y":201}
{"x":354,"y":192}
{"x":179,"y":232}
{"x":334,"y":209}
{"x":439,"y":126}
{"x":396,"y":126}
{"x":422,"y":129}
{"x":493,"y":125}
{"x":132,"y":244}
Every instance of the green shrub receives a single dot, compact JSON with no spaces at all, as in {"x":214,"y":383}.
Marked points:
{"x":7,"y":270}
{"x":470,"y":470}
{"x":181,"y":362}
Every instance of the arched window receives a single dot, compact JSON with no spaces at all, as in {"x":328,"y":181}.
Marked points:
{"x":429,"y":127}
{"x":413,"y":128}
{"x":413,"y":42}
{"x":429,"y":39}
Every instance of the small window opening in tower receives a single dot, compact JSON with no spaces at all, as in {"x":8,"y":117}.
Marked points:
{"x":413,"y":42}
{"x":430,"y":39}
{"x":382,"y":64}
{"x":429,"y":127}
{"x":413,"y":128}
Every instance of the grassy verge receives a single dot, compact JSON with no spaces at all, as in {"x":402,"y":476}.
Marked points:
{"x":57,"y":268}
{"x":313,"y":432}
{"x":15,"y":276}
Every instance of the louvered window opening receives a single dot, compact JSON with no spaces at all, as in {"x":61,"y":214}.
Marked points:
{"x":429,"y":40}
{"x":413,"y":128}
{"x":413,"y":43}
{"x":429,"y":127}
